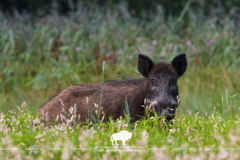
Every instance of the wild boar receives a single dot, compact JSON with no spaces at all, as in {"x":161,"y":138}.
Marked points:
{"x":157,"y":89}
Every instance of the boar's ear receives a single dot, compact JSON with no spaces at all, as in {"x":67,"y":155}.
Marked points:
{"x":145,"y":65}
{"x":180,"y":64}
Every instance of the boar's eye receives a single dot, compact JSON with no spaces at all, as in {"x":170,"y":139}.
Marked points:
{"x":173,"y":82}
{"x":153,"y":82}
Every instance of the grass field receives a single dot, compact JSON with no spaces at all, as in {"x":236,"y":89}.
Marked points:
{"x":40,"y":58}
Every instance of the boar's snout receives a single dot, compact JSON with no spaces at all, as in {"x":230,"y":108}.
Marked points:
{"x":166,"y":108}
{"x":169,"y":112}
{"x":169,"y":109}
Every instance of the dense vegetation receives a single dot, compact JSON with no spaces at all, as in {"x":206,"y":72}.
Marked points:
{"x":143,"y":9}
{"x":41,"y":57}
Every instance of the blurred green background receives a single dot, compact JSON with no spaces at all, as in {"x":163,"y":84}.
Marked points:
{"x":46,"y":46}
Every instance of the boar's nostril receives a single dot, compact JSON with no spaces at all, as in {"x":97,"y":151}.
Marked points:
{"x":164,"y":112}
{"x":167,"y":112}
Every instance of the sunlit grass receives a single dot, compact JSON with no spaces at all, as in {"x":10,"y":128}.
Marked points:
{"x":189,"y":135}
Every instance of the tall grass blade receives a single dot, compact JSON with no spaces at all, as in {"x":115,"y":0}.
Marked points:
{"x":225,"y":109}
{"x":232,"y":96}
{"x":227,"y":103}
{"x":99,"y":107}
{"x":74,"y":114}
{"x":127,"y":114}
{"x":88,"y":109}
{"x":94,"y":94}
{"x":95,"y":121}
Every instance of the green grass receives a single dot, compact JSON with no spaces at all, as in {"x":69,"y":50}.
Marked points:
{"x":35,"y":65}
{"x":190,"y":135}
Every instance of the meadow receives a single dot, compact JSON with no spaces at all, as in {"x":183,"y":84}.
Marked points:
{"x":41,"y":57}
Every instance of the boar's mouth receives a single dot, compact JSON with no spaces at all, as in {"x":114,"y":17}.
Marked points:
{"x":167,"y":110}
{"x":162,"y":109}
{"x":167,"y":113}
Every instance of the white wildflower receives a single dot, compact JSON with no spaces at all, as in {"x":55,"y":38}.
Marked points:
{"x":10,"y":112}
{"x":71,"y":110}
{"x":96,"y":105}
{"x":24,"y":104}
{"x":220,"y":119}
{"x":62,"y":117}
{"x":196,"y":115}
{"x":169,"y":139}
{"x":61,"y":102}
{"x":192,"y":140}
{"x":172,"y":131}
{"x":39,"y":136}
{"x":187,"y":131}
{"x":36,"y":121}
{"x":212,"y":116}
{"x":70,"y":120}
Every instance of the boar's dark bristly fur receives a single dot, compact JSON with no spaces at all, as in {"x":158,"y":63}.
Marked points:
{"x":157,"y":88}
